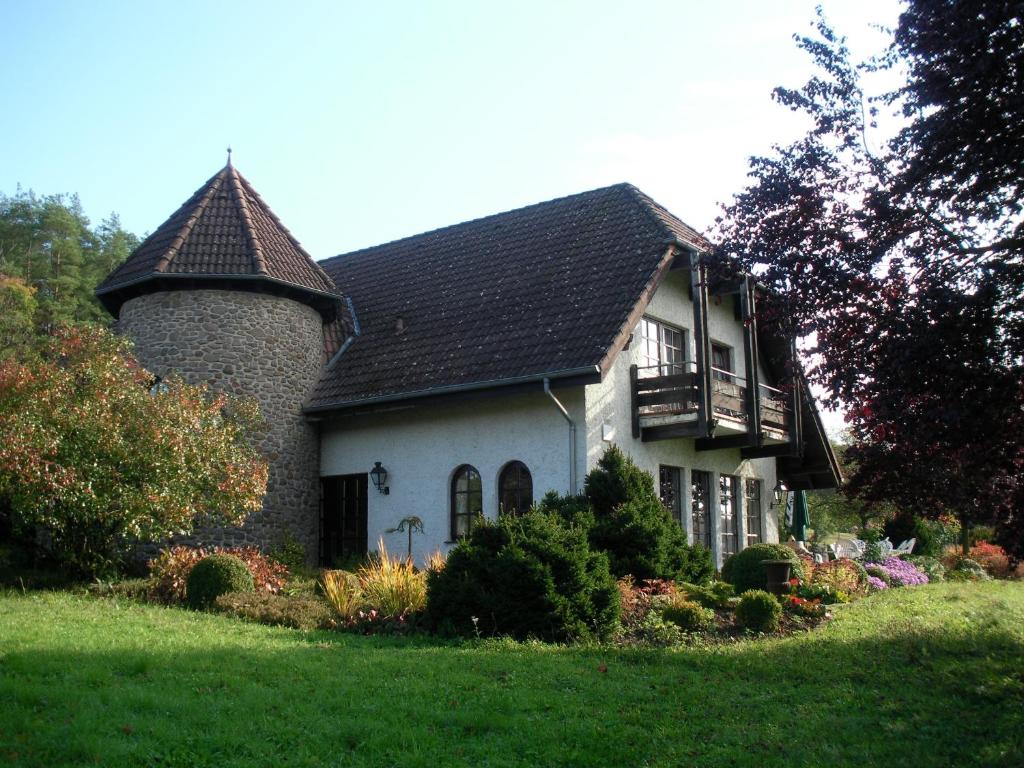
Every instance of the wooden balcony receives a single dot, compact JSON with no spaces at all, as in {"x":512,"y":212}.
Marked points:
{"x":667,"y":402}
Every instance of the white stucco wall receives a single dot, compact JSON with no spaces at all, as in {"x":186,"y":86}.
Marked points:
{"x":608,"y":408}
{"x":421,"y":446}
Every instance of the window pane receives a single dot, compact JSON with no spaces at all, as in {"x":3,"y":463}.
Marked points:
{"x":752,"y":510}
{"x":700,"y":488}
{"x":727,"y":513}
{"x":670,"y":495}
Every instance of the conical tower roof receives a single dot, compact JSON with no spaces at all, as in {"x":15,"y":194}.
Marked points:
{"x":223,"y":236}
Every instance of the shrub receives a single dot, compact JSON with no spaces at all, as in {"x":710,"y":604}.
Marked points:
{"x":965,"y":569}
{"x":745,"y":571}
{"x":295,"y":611}
{"x":94,"y":462}
{"x":214,"y":576}
{"x":616,"y":480}
{"x":759,"y":611}
{"x":129,"y":589}
{"x":875,"y":584}
{"x":391,"y":586}
{"x":527,"y":576}
{"x":343,"y":593}
{"x":170,"y":569}
{"x":842,"y":575}
{"x":714,"y":595}
{"x":629,"y":522}
{"x":992,"y":558}
{"x":931,"y":566}
{"x":878,"y":572}
{"x":689,"y":616}
{"x":902,"y":573}
{"x":290,"y":553}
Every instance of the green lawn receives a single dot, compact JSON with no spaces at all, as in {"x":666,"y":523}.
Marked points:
{"x":929,"y":676}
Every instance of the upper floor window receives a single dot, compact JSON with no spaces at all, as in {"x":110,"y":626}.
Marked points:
{"x":663,"y":348}
{"x":515,"y":488}
{"x":721,"y":362}
{"x":467,"y":500}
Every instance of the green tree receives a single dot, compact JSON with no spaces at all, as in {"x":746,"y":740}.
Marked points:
{"x":93,"y":457}
{"x":17,"y":316}
{"x":48,"y":242}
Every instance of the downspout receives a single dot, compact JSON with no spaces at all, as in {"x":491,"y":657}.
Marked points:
{"x":572,"y":435}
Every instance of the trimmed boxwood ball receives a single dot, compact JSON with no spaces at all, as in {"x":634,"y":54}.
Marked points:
{"x":759,"y":611}
{"x":528,"y":576}
{"x":214,"y":576}
{"x":745,"y":571}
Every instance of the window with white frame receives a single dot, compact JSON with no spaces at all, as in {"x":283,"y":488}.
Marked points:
{"x":727,"y":513}
{"x":700,"y":510}
{"x":663,"y":348}
{"x":752,"y":510}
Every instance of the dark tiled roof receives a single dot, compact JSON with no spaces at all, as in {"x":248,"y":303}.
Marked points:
{"x":224,"y":229}
{"x":530,"y":292}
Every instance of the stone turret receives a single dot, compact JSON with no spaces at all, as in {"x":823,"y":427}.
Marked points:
{"x":222,"y":293}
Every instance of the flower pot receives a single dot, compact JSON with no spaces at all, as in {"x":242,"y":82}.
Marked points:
{"x":777,"y":572}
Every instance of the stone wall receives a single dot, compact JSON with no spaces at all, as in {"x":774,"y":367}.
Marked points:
{"x":251,"y":344}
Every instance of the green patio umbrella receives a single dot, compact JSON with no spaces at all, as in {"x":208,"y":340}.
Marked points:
{"x":801,"y":517}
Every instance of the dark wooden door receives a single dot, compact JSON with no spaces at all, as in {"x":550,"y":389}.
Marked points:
{"x":343,"y":518}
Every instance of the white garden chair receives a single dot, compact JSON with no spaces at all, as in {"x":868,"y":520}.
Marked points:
{"x":885,"y":547}
{"x":905,"y":548}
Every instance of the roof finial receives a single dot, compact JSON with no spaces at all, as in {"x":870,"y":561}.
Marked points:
{"x":229,"y":155}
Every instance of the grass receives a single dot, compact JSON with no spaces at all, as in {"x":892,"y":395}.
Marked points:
{"x":928,"y":676}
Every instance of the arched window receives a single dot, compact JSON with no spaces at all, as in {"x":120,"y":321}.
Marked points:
{"x":515,"y":488}
{"x":467,"y":500}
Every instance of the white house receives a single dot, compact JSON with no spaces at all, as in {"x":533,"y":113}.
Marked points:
{"x":472,"y":369}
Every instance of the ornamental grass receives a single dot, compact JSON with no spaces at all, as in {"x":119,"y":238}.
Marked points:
{"x":392,"y":585}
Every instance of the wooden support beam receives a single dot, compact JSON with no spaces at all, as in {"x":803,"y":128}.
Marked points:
{"x":670,"y":431}
{"x":721,"y":443}
{"x":767,"y":451}
{"x":750,"y":360}
{"x":796,"y":432}
{"x":702,"y":342}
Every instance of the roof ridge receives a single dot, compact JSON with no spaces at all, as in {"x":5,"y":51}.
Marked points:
{"x":244,"y":182}
{"x":250,"y":230}
{"x":658,"y":213}
{"x":476,"y":220}
{"x":186,"y":229}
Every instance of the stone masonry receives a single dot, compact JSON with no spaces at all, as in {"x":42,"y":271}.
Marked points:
{"x":255,"y":345}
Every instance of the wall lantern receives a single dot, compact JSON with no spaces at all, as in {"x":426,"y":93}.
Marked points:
{"x":379,"y":476}
{"x":779,"y":493}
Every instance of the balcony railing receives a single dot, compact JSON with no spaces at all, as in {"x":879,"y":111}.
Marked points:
{"x":669,"y":393}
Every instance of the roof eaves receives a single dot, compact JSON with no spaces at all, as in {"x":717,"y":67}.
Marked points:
{"x":202,"y":276}
{"x":453,"y":388}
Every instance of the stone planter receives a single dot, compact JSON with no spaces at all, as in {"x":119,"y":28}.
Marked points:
{"x":777,"y":572}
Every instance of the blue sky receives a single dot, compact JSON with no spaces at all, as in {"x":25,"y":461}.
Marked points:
{"x":364,"y":122}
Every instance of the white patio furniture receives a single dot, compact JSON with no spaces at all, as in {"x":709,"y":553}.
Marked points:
{"x":885,"y":547}
{"x":905,"y":548}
